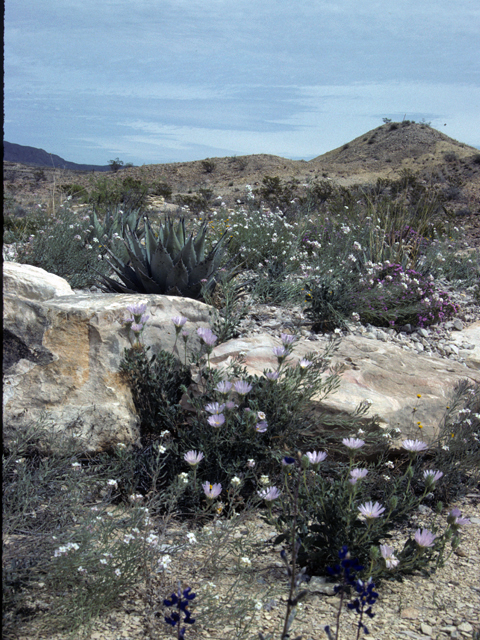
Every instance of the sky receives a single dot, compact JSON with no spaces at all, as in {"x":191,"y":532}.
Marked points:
{"x":157,"y":81}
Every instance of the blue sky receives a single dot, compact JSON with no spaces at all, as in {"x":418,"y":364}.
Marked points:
{"x":153,"y":81}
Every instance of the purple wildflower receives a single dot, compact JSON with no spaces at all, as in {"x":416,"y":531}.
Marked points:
{"x":315,"y":457}
{"x":455,"y":518}
{"x":223,"y":387}
{"x":387,"y":554}
{"x":357,"y":474}
{"x":431,"y":477}
{"x":353,"y":443}
{"x":269,"y":494}
{"x":242,"y":387}
{"x":280,"y":352}
{"x":261,"y":427}
{"x":216,"y":420}
{"x":214,"y":407}
{"x":370,"y":510}
{"x":287,"y":339}
{"x":193,"y":457}
{"x":424,"y":538}
{"x":272,"y":375}
{"x":414,"y":446}
{"x":212,"y":491}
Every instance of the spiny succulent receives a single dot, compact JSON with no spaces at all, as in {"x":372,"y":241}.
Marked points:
{"x":174,"y":263}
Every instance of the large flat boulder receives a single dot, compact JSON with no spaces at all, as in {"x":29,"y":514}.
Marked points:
{"x":380,"y":372}
{"x":62,"y":359}
{"x":33,"y":283}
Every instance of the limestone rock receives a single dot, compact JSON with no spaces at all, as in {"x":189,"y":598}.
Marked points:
{"x":380,"y":372}
{"x":33,"y":283}
{"x":62,"y":358}
{"x":470,"y":336}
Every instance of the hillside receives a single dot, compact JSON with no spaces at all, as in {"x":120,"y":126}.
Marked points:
{"x":451,"y":167}
{"x":40,"y":158}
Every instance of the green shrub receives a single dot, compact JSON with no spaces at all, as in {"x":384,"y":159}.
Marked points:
{"x":60,"y":247}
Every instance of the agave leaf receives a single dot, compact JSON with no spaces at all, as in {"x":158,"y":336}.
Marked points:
{"x":172,"y":242}
{"x":188,"y":255}
{"x":134,"y":247}
{"x":199,"y":243}
{"x":178,"y":277}
{"x":150,"y":241}
{"x":147,"y":283}
{"x":160,"y":266}
{"x":200,"y":272}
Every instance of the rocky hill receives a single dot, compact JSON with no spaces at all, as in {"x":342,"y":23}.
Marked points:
{"x":40,"y":158}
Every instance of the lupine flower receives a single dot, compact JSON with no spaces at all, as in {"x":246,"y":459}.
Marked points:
{"x":223,"y":387}
{"x":193,"y":457}
{"x":431,"y":477}
{"x":287,"y":461}
{"x":181,"y":601}
{"x":315,"y":457}
{"x":424,"y":538}
{"x":414,"y":446}
{"x":387,"y":554}
{"x":353,"y":443}
{"x":269,"y":494}
{"x":216,"y":420}
{"x":242,"y":387}
{"x":455,"y":518}
{"x":214,"y":407}
{"x":370,"y":510}
{"x":212,"y":491}
{"x":261,"y":427}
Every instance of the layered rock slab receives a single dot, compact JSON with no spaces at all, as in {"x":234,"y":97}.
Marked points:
{"x":62,"y":359}
{"x":384,"y":374}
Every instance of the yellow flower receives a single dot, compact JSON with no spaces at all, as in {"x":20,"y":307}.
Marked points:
{"x":453,"y":435}
{"x":419,"y":395}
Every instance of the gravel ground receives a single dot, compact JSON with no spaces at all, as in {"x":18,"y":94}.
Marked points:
{"x":444,"y":606}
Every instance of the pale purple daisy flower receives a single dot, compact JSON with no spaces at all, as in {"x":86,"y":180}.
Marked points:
{"x":269,"y":494}
{"x":179,"y":321}
{"x":242,"y":387}
{"x":216,"y":420}
{"x":280,"y":352}
{"x":357,"y":474}
{"x":315,"y":457}
{"x":207,"y":336}
{"x":287,"y":339}
{"x":353,"y":443}
{"x":414,"y":446}
{"x":214,"y":407}
{"x":370,"y":510}
{"x":230,"y":405}
{"x":223,"y":387}
{"x":304,"y":363}
{"x":212,"y":491}
{"x":272,"y":375}
{"x":431,"y":477}
{"x":193,"y":457}
{"x":261,"y":427}
{"x":424,"y":538}
{"x":387,"y":554}
{"x":455,"y":518}
{"x":137,"y":309}
{"x":137,"y":328}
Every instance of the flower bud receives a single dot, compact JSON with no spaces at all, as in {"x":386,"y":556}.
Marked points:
{"x":374,"y":553}
{"x":392,"y":503}
{"x":439,"y":507}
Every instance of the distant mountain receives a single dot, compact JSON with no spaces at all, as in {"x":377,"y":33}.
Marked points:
{"x":40,"y":158}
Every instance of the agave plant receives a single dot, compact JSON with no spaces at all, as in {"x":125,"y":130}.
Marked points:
{"x":173,"y":264}
{"x":114,"y":225}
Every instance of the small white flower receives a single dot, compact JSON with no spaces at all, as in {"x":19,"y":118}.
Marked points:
{"x":118,"y":572}
{"x":236,"y":481}
{"x":245,"y":561}
{"x":191,"y":538}
{"x":183,"y":477}
{"x":264,"y":480}
{"x":112,"y":483}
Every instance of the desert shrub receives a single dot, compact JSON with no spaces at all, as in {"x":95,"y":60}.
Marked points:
{"x":161,"y":188}
{"x":111,"y":194}
{"x":66,"y":537}
{"x":60,"y":247}
{"x":456,"y":451}
{"x":197,"y":203}
{"x":73,"y":190}
{"x":156,"y":381}
{"x":208,"y":165}
{"x":334,"y":505}
{"x":277,"y":194}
